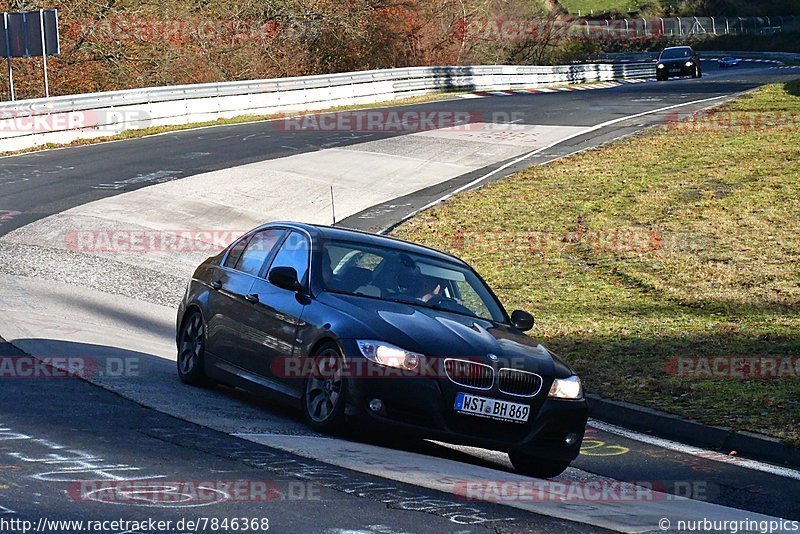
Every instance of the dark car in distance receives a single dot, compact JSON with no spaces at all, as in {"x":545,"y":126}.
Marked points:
{"x":678,"y":61}
{"x":378,"y":333}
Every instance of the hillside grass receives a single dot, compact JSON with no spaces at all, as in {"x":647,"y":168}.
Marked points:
{"x":713,"y":269}
{"x":598,"y":7}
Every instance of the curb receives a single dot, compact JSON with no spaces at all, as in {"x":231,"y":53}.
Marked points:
{"x":676,"y":428}
{"x":557,"y":89}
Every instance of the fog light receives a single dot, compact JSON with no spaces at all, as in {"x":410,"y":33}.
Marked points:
{"x":376,"y":405}
{"x":571,"y":439}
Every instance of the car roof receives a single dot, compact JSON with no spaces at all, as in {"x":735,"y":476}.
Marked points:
{"x":345,"y":234}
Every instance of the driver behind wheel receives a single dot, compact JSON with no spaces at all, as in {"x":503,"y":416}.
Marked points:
{"x":427,"y":288}
{"x":419,"y":286}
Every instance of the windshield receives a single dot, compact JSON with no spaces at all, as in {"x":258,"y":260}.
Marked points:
{"x":676,"y":53}
{"x":389,"y":274}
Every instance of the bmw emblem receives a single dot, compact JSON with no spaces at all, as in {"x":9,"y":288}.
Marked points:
{"x":492,"y":357}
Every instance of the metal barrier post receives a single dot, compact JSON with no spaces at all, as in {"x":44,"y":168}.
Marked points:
{"x":8,"y":58}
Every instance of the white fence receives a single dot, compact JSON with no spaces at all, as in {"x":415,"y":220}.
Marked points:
{"x":679,"y":26}
{"x":63,"y":119}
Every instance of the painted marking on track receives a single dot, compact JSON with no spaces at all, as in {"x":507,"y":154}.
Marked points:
{"x":6,"y":511}
{"x":194,"y":155}
{"x":595,"y":447}
{"x":7,"y":215}
{"x":71,"y":465}
{"x":158,"y":177}
{"x":696,"y":451}
{"x":592,"y":446}
{"x":166,"y":495}
{"x":370,"y":529}
{"x":438,"y":473}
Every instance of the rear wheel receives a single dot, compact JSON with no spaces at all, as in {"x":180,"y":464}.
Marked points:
{"x":536,"y":467}
{"x":325,"y":392}
{"x":191,"y":351}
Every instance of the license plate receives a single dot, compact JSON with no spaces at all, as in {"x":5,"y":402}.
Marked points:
{"x":674,"y":70}
{"x":491,"y":408}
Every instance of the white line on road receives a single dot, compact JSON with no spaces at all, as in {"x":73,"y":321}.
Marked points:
{"x":697,"y":451}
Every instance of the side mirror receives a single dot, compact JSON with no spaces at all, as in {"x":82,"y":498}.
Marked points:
{"x":522,"y":320}
{"x":284,"y":278}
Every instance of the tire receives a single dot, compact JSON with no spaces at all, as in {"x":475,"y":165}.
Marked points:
{"x":699,"y":72}
{"x":535,"y":467}
{"x":191,"y":351}
{"x":325,"y":392}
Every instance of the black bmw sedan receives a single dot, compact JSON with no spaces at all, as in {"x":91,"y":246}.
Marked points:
{"x":678,"y":61}
{"x":375,"y":332}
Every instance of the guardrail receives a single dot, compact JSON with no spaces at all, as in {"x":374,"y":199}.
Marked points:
{"x":63,"y":119}
{"x":776,"y":57}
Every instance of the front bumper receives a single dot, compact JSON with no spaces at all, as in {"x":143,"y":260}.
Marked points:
{"x":672,"y":70}
{"x":423,"y":406}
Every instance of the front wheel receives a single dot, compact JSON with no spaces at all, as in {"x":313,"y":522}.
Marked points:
{"x":191,"y":351}
{"x":536,"y":467}
{"x":325,"y":392}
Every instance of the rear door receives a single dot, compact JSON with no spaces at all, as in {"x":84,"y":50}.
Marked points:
{"x":278,"y":313}
{"x":231,"y":311}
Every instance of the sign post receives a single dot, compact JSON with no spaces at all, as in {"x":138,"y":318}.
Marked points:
{"x":7,"y":43}
{"x":44,"y":54}
{"x":25,"y":36}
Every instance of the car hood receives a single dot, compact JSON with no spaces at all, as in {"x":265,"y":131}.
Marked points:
{"x":443,"y":334}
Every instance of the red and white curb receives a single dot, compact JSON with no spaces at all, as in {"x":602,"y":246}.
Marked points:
{"x":561,"y":89}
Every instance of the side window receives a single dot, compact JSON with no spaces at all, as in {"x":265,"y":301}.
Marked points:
{"x":294,"y":253}
{"x":235,"y":252}
{"x":258,"y":249}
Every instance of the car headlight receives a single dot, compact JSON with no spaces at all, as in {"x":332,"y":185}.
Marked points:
{"x":689,"y":63}
{"x":566,"y":388}
{"x":389,"y":355}
{"x":660,"y":65}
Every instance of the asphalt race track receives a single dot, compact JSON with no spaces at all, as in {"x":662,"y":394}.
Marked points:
{"x":57,"y":433}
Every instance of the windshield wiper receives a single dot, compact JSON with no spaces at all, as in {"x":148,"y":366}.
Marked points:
{"x":410,"y":300}
{"x":436,"y":306}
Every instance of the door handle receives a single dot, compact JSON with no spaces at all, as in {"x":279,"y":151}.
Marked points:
{"x":252,"y":297}
{"x":216,"y":284}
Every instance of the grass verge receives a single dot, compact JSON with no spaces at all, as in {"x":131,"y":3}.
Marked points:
{"x":683,"y":241}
